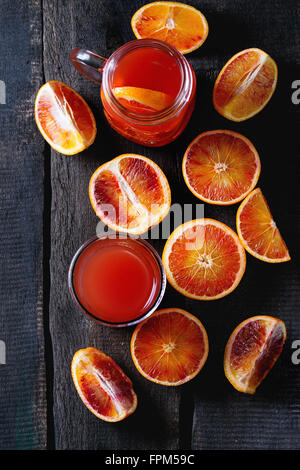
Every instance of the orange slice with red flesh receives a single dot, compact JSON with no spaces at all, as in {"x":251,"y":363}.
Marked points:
{"x":221,"y":167}
{"x":64,"y":119}
{"x":252,"y":350}
{"x":245,"y":84}
{"x":204,"y":259}
{"x":258,"y":231}
{"x":142,"y":99}
{"x":102,"y":386}
{"x":130,"y":193}
{"x":178,"y":24}
{"x":170,"y":347}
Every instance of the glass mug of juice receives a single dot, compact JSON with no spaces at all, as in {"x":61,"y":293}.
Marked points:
{"x":147,"y":89}
{"x":118,"y":280}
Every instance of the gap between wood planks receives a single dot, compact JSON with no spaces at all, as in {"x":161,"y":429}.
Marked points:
{"x":186,"y":417}
{"x":46,"y":272}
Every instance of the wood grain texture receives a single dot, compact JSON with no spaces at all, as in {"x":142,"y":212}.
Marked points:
{"x":206,"y":413}
{"x":155,"y":424}
{"x":22,"y":379}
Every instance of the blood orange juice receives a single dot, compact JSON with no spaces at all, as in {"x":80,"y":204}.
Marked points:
{"x":147,"y":89}
{"x":117,"y":281}
{"x":149,"y":70}
{"x":150,"y":92}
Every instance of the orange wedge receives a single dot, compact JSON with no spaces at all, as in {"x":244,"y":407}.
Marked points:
{"x":64,"y":119}
{"x":130,"y":193}
{"x":257,"y":230}
{"x":221,"y":167}
{"x":180,"y":25}
{"x":141,"y":99}
{"x":252,"y":350}
{"x":102,"y":386}
{"x":245,"y":85}
{"x":204,"y":259}
{"x":170,"y":347}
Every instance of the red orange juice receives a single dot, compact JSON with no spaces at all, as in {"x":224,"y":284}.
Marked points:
{"x":116,"y":280}
{"x":147,"y":89}
{"x":159,"y":92}
{"x":150,"y":69}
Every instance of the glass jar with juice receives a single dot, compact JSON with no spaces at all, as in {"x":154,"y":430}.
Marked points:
{"x":117,"y":280}
{"x":147,"y":89}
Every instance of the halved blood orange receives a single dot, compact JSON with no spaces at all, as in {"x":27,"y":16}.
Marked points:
{"x":204,"y":259}
{"x":170,"y":347}
{"x":252,"y":350}
{"x":221,"y":167}
{"x":64,"y":119}
{"x":130,"y":193}
{"x":179,"y":24}
{"x":245,"y":84}
{"x":142,"y":99}
{"x":258,"y":231}
{"x":102,"y":386}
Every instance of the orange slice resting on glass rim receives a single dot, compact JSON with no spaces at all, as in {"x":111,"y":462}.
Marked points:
{"x":252,"y":350}
{"x":245,"y":84}
{"x":64,"y":119}
{"x":170,"y":347}
{"x":221,"y":167}
{"x":102,"y":386}
{"x":204,"y":259}
{"x":178,"y":24}
{"x":258,"y":231}
{"x":130,"y":193}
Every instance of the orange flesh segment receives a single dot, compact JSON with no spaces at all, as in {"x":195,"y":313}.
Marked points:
{"x":130,"y":193}
{"x":258,"y":230}
{"x":64,"y":118}
{"x":141,"y":99}
{"x":253,"y":349}
{"x":245,"y":84}
{"x":221,"y":167}
{"x":206,"y":261}
{"x":170,"y":347}
{"x":102,"y":385}
{"x":178,"y":24}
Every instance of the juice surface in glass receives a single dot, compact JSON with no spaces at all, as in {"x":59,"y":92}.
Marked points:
{"x":149,"y":69}
{"x":116,"y":280}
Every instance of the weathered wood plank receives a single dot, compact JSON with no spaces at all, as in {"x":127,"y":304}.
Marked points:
{"x":223,"y":418}
{"x":97,"y":25}
{"x":22,"y":378}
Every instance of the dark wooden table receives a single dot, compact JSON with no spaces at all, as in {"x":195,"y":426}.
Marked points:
{"x":46,"y":215}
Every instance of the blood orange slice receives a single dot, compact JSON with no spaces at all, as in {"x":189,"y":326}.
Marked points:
{"x":142,"y":99}
{"x":245,"y":84}
{"x":170,"y":347}
{"x":221,"y":167}
{"x":204,"y":259}
{"x":258,"y":231}
{"x":64,"y":119}
{"x":130,"y":193}
{"x":102,"y":385}
{"x":252,"y":350}
{"x":178,"y":24}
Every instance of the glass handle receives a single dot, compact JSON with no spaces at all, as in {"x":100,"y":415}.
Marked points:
{"x":88,"y":64}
